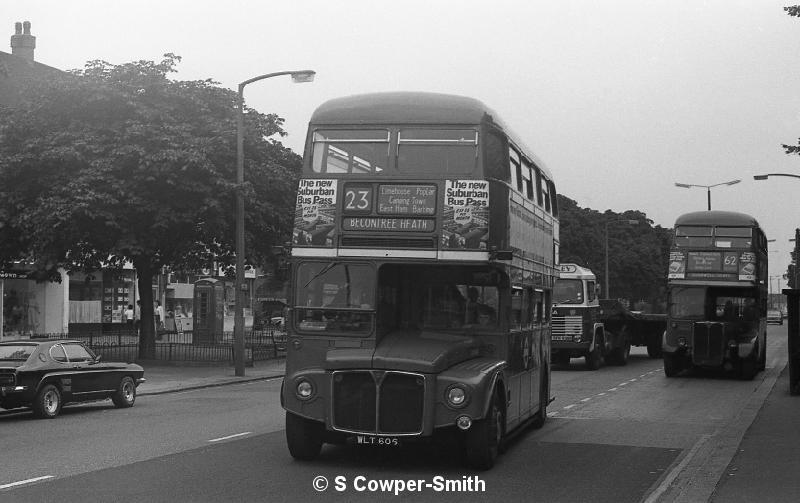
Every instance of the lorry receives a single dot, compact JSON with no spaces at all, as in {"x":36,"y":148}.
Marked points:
{"x":598,"y":330}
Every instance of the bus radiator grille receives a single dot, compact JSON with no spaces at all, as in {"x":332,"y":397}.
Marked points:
{"x":708,"y":344}
{"x":378,"y":402}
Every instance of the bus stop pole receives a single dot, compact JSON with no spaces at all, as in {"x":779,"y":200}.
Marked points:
{"x":793,"y":327}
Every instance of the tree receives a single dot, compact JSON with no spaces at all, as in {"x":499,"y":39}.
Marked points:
{"x":117,"y":163}
{"x":637,"y":253}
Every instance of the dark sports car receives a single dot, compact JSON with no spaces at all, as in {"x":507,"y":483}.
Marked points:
{"x":44,"y":375}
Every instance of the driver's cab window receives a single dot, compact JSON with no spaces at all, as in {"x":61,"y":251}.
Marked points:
{"x":591,"y":292}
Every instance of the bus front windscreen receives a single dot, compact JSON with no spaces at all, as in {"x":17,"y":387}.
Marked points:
{"x":568,"y":291}
{"x":688,"y":303}
{"x":335,"y":297}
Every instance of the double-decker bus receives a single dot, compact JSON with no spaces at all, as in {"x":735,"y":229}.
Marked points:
{"x":424,"y":253}
{"x":717,"y":298}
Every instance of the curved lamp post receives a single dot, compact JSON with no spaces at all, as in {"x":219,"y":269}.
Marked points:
{"x":629,"y":222}
{"x":764,"y":177}
{"x":298,"y":76}
{"x":707,"y":187}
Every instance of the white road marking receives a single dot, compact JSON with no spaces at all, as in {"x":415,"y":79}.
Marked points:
{"x":28,"y":481}
{"x":230,"y":436}
{"x":570,"y":406}
{"x":585,"y":399}
{"x":613,"y":389}
{"x":601,"y":394}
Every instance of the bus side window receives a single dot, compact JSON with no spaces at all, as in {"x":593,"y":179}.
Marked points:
{"x":517,"y":306}
{"x":539,"y":307}
{"x":516,"y":170}
{"x":591,"y":293}
{"x":527,"y":175}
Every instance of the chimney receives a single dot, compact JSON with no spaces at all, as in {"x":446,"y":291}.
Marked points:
{"x":22,"y":42}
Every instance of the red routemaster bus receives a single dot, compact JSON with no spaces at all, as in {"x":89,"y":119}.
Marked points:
{"x":717,"y":294}
{"x":424,"y":252}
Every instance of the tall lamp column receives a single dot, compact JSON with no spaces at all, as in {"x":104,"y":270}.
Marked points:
{"x":239,"y":284}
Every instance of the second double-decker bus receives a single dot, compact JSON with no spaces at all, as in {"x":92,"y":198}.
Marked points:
{"x":717,"y":294}
{"x":424,"y":253}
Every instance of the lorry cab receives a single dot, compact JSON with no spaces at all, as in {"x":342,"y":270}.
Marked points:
{"x":577,"y":330}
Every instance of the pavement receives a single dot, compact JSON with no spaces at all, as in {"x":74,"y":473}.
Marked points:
{"x":163,"y":378}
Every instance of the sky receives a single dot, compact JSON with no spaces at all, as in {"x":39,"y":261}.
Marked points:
{"x":621,"y":99}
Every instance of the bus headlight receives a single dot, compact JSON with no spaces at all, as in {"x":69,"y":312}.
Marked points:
{"x":577,"y":338}
{"x":456,"y":396}
{"x":304,"y":389}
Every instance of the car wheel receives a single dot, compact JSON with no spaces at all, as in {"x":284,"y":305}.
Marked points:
{"x":125,"y":395}
{"x":47,"y":403}
{"x":483,"y":439}
{"x":304,"y":437}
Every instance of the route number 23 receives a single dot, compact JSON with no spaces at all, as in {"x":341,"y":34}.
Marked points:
{"x":358,"y":199}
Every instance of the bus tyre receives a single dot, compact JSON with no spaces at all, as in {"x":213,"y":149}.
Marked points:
{"x":544,"y":399}
{"x":483,"y":439}
{"x":304,"y":437}
{"x":672,"y":365}
{"x":748,"y":368}
{"x":762,"y":359}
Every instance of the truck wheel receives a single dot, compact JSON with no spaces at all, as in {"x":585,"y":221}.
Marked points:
{"x":672,"y":365}
{"x":304,"y":437}
{"x":483,"y":439}
{"x":594,"y":360}
{"x":47,"y":403}
{"x":619,"y":356}
{"x":561,"y":359}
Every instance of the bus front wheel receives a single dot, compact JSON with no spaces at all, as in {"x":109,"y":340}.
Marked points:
{"x":483,"y":439}
{"x":672,"y":364}
{"x":304,"y":437}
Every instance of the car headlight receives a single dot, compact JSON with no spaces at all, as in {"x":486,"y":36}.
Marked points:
{"x":304,"y":389}
{"x":456,"y":396}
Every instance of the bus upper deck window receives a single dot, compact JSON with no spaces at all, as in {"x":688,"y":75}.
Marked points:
{"x":691,"y":235}
{"x":442,"y":151}
{"x":350,"y":151}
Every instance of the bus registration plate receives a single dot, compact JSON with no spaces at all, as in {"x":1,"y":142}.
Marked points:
{"x":376,"y":440}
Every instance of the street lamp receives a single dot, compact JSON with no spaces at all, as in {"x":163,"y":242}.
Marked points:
{"x":238,"y":318}
{"x":764,"y":177}
{"x":707,"y":187}
{"x":628,"y":221}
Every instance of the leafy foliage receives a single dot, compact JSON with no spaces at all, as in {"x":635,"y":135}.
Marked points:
{"x":117,"y":163}
{"x":637,"y":254}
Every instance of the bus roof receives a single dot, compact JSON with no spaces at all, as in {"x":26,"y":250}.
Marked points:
{"x":409,"y":107}
{"x":716,"y":217}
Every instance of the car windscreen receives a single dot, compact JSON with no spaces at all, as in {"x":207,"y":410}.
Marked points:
{"x":17,"y":352}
